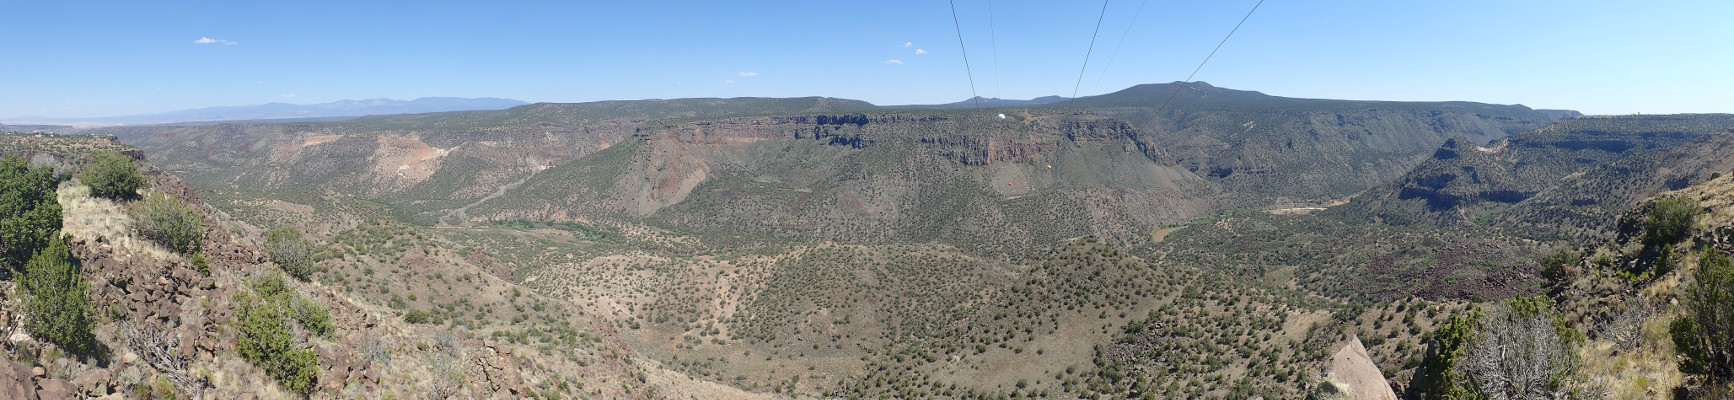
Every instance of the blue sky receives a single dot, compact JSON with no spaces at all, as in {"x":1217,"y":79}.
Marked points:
{"x":65,"y":59}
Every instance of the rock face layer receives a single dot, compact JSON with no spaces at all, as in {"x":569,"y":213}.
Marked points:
{"x":1351,"y":375}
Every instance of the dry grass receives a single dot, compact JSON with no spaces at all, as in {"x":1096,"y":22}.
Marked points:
{"x":227,"y":371}
{"x":1645,"y":371}
{"x":91,"y":218}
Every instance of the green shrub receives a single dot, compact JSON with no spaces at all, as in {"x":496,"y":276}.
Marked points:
{"x":1438,"y":377}
{"x":113,"y":176}
{"x":1704,"y":337}
{"x":291,"y":252}
{"x":1664,"y":262}
{"x":1556,"y":268}
{"x":1669,"y":221}
{"x":311,"y":315}
{"x":29,"y":212}
{"x":263,"y":319}
{"x":204,"y":266}
{"x":1519,"y":348}
{"x":170,"y":222}
{"x":265,"y":340}
{"x":417,"y":316}
{"x":57,"y":301}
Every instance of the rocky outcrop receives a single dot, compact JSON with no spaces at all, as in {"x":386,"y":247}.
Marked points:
{"x":965,"y":141}
{"x":1351,"y":375}
{"x":16,"y":381}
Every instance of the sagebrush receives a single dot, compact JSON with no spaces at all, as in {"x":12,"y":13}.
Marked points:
{"x":170,"y":222}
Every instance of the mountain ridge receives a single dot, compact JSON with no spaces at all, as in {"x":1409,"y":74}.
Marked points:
{"x":278,"y":110}
{"x":988,"y":102}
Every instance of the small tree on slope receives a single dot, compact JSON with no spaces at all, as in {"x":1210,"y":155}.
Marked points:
{"x":29,"y":213}
{"x":57,"y":300}
{"x":113,"y":176}
{"x":1704,"y":337}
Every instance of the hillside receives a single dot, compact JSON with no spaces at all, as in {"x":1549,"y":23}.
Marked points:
{"x":708,"y":250}
{"x":890,"y":177}
{"x":821,"y":247}
{"x":966,"y":179}
{"x":169,"y":324}
{"x":1300,"y":152}
{"x":1565,"y":179}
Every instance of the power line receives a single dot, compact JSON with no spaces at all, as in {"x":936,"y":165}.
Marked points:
{"x":1117,"y":47}
{"x":966,"y":71}
{"x":1087,"y":52}
{"x":1182,"y":84}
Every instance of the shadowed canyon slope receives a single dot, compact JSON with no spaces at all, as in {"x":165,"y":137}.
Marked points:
{"x":1562,"y":179}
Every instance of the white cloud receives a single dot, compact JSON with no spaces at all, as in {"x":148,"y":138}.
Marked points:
{"x":894,"y":61}
{"x":729,"y":81}
{"x":206,"y":40}
{"x":288,"y":95}
{"x":907,"y":44}
{"x":920,"y":51}
{"x":744,"y":73}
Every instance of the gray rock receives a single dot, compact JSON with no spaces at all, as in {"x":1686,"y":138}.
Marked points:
{"x":1330,"y":389}
{"x":56,"y":389}
{"x":92,"y":381}
{"x":1352,"y":375}
{"x":15,"y":382}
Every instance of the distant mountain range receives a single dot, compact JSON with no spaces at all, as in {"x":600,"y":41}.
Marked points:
{"x":341,"y":108}
{"x":979,"y":101}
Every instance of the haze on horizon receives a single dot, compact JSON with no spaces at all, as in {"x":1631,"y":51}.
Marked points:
{"x":1599,"y":57}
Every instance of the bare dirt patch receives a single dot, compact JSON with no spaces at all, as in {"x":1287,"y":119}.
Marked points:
{"x":1162,"y":233}
{"x":319,"y":139}
{"x":406,"y":158}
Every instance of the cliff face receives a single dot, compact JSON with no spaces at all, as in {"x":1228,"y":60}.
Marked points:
{"x":874,"y":177}
{"x":968,"y":140}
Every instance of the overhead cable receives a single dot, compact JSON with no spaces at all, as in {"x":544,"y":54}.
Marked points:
{"x":1207,"y":58}
{"x":1087,"y":52}
{"x":966,"y":71}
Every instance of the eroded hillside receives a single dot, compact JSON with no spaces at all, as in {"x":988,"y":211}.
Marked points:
{"x":792,"y":249}
{"x":166,"y":324}
{"x":1565,"y":180}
